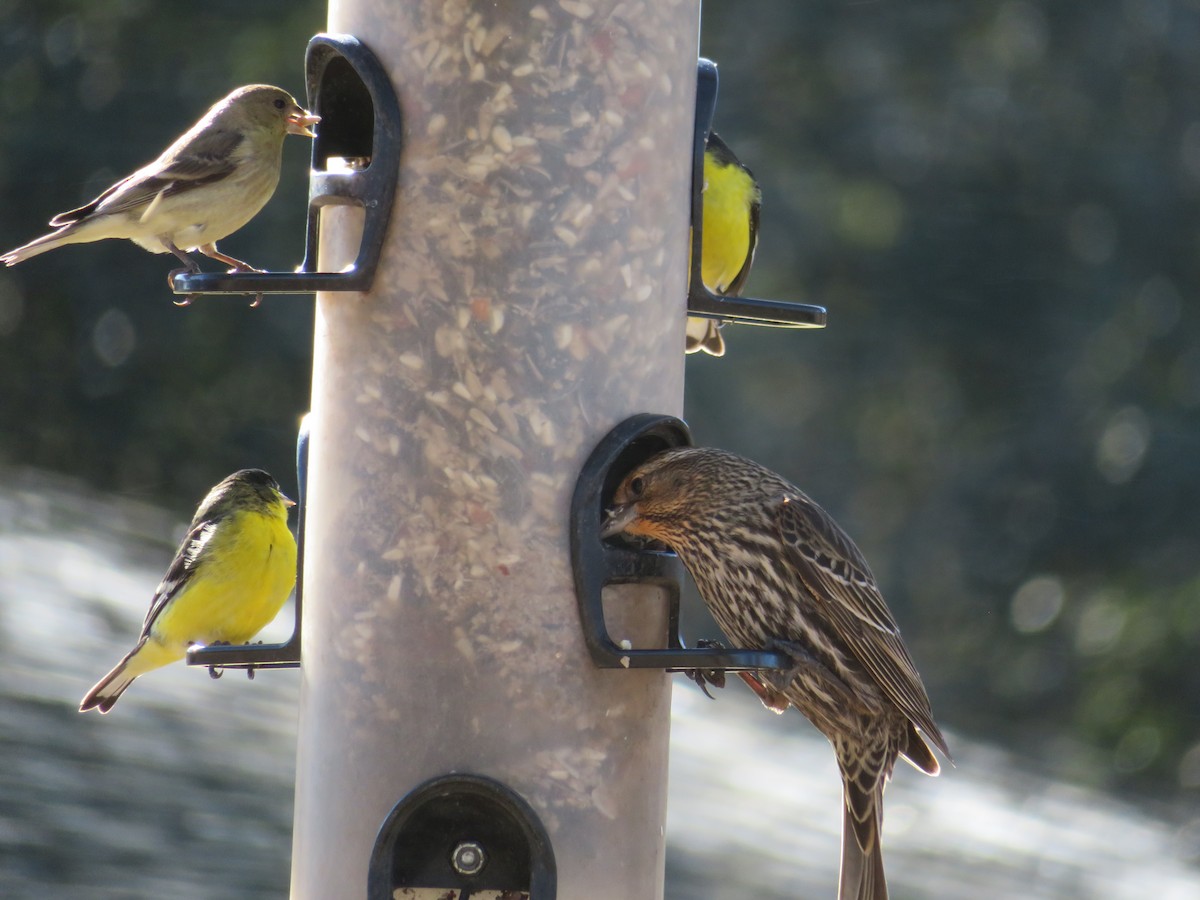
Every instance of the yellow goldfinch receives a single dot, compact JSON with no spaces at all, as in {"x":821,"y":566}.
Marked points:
{"x":731,"y":207}
{"x":230,"y":576}
{"x":206,"y":185}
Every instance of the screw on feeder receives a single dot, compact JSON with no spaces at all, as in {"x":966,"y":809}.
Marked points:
{"x":411,"y":847}
{"x":468,"y":858}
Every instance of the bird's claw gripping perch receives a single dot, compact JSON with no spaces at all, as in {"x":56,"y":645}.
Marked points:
{"x":190,"y":269}
{"x":242,"y":267}
{"x":215,"y":672}
{"x":706,"y":677}
{"x":770,"y":695}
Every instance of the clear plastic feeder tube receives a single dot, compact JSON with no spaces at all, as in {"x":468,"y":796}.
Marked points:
{"x":531,"y":295}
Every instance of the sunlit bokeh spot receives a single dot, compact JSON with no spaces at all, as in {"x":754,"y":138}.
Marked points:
{"x":1037,"y":603}
{"x":113,"y":337}
{"x":1137,"y":748}
{"x":1100,"y":625}
{"x":1189,"y":768}
{"x":1123,"y":444}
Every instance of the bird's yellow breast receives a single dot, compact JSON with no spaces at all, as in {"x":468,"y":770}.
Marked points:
{"x":246,"y":572}
{"x":728,"y":195}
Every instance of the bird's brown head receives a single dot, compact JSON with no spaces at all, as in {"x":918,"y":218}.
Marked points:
{"x":269,"y":107}
{"x":680,"y":491}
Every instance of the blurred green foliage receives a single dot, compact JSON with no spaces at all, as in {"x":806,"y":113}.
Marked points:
{"x":102,"y":376}
{"x":997,"y":202}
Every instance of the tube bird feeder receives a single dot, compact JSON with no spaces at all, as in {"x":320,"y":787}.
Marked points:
{"x":530,"y":295}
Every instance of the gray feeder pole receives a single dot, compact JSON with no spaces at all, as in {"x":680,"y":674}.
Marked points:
{"x":530,"y":297}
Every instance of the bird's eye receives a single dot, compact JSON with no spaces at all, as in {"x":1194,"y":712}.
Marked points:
{"x":279,"y":104}
{"x":637,"y":486}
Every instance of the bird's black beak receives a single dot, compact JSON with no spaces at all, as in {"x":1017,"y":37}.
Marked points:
{"x":618,"y":519}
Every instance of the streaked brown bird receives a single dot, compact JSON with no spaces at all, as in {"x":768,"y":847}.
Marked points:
{"x":205,"y":186}
{"x":778,"y":573}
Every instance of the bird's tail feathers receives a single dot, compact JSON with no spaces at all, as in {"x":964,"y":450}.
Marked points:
{"x":54,"y":239}
{"x":704,"y":334}
{"x":108,"y":689}
{"x":862,"y":875}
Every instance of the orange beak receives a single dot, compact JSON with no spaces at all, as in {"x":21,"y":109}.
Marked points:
{"x":299,"y":122}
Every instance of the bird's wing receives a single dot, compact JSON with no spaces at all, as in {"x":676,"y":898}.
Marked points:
{"x":72,"y":216}
{"x":739,"y":280}
{"x":204,"y":159}
{"x":183,"y":567}
{"x":833,"y":569}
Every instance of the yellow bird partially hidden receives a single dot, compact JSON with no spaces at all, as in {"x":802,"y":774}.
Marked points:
{"x":230,"y":577}
{"x":732,"y":201}
{"x":205,"y":186}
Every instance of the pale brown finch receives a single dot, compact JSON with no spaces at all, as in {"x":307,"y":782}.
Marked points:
{"x":778,"y":573}
{"x":208,"y":184}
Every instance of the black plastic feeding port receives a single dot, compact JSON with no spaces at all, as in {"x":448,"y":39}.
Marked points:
{"x":701,"y":301}
{"x":268,"y":656}
{"x":466,"y":833}
{"x":598,"y":563}
{"x":360,"y":128}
